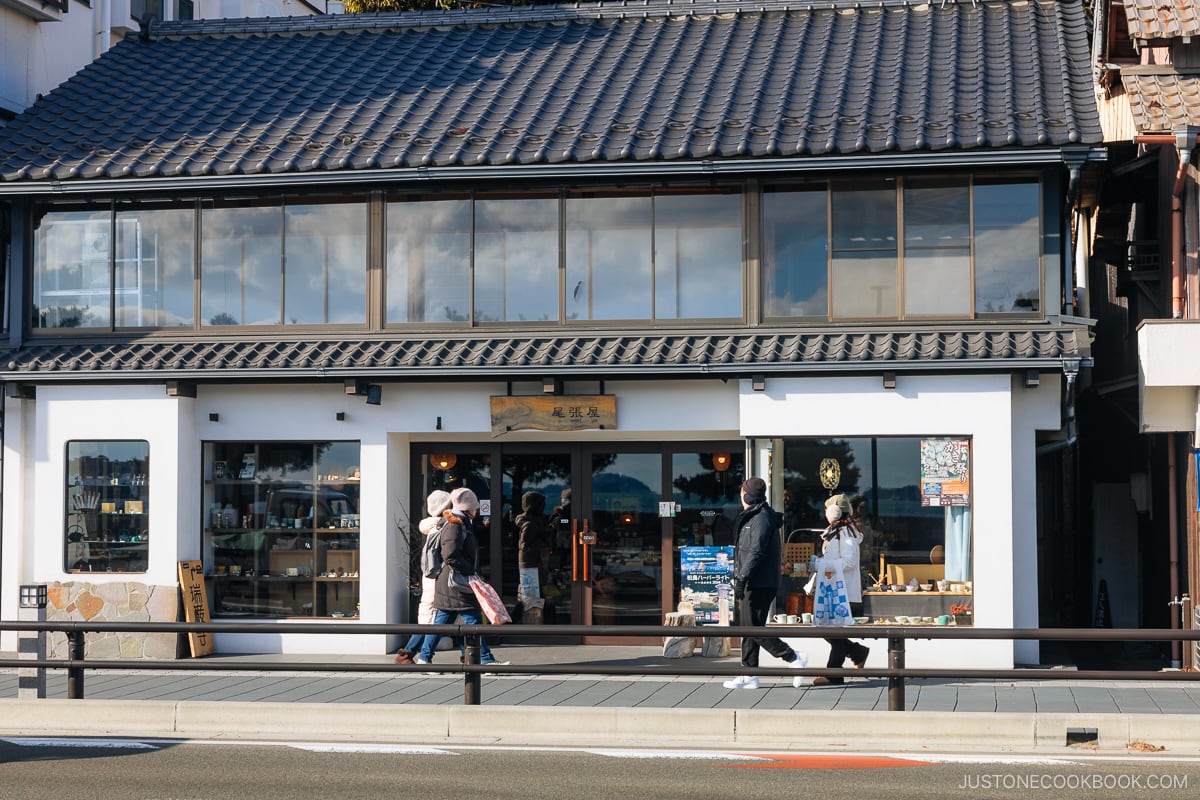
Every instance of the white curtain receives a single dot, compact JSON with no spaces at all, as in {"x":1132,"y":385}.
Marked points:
{"x":958,"y":543}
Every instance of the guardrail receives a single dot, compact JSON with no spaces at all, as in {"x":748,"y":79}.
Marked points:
{"x":896,"y":672}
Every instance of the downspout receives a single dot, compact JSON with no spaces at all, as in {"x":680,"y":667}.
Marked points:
{"x":1071,"y":373}
{"x":1173,"y":544}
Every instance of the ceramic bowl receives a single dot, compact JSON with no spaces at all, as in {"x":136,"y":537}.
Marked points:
{"x":902,"y":620}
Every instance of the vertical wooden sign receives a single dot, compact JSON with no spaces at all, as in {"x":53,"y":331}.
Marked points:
{"x":195,"y":605}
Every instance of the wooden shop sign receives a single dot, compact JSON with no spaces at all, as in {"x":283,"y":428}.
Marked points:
{"x":554,"y":413}
{"x":195,"y":606}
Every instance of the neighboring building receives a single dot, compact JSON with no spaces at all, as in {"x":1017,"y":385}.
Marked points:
{"x":636,"y":251}
{"x":44,"y":42}
{"x":1147,"y":66}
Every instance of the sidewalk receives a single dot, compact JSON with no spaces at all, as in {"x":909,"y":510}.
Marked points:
{"x":560,"y":709}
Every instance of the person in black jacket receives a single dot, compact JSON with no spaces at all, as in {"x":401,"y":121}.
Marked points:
{"x":460,"y":551}
{"x":756,"y":565}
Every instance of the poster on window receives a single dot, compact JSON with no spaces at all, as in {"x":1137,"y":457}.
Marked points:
{"x":706,"y":578}
{"x":945,"y":472}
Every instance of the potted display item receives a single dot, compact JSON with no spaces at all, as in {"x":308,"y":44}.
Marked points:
{"x":962,"y":614}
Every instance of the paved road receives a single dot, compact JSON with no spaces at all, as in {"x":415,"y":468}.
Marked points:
{"x":240,"y":698}
{"x":155,"y":770}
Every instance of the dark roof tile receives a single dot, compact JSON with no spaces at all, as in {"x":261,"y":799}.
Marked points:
{"x":551,"y":84}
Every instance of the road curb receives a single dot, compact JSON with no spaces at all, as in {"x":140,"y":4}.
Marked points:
{"x":912,"y":731}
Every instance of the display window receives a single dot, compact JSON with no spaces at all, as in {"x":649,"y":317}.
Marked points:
{"x":107,"y":525}
{"x":911,"y":499}
{"x":281,"y":529}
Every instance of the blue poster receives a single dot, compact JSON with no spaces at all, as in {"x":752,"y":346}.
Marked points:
{"x":706,"y":577}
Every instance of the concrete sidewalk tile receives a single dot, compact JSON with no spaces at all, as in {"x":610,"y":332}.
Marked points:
{"x":1015,"y":699}
{"x":632,"y":695}
{"x":1100,"y":700}
{"x":1128,"y":700}
{"x":1054,"y":700}
{"x":976,"y":699}
{"x":679,"y":694}
{"x":1175,"y":700}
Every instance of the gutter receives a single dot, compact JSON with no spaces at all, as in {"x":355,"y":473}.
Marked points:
{"x":1071,"y":372}
{"x":708,"y":169}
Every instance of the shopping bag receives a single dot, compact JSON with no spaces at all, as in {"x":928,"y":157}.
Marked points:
{"x":493,"y":607}
{"x":831,"y":606}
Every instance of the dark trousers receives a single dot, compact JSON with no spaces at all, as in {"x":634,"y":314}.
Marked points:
{"x":841,"y":649}
{"x":753,"y":608}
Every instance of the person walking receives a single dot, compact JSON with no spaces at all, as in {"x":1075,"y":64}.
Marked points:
{"x":437,"y":502}
{"x":460,"y":554}
{"x":534,"y":541}
{"x":756,"y":569}
{"x":841,"y":546}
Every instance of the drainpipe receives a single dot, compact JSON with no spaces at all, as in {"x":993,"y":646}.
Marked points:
{"x":1184,"y":139}
{"x":1173,"y":545}
{"x":1070,"y":372}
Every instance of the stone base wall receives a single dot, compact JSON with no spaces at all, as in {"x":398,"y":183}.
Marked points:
{"x":114,"y":602}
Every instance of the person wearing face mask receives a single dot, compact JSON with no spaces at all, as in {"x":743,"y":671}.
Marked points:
{"x":756,"y":563}
{"x":841,"y":543}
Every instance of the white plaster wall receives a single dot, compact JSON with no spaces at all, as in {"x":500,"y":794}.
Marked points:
{"x":16,"y":561}
{"x":1001,"y":422}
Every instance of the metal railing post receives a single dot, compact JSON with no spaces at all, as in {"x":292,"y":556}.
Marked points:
{"x":895,"y":684}
{"x":472,"y":679}
{"x":75,"y":642}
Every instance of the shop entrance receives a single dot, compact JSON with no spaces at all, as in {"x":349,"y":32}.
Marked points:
{"x":603,"y":547}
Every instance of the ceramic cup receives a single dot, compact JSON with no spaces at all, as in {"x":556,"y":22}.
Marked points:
{"x":792,"y":619}
{"x":781,"y":618}
{"x":944,"y":619}
{"x":807,"y":618}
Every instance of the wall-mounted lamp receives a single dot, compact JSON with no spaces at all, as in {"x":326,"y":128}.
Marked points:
{"x":341,"y":416}
{"x":551,"y":385}
{"x":214,"y":416}
{"x":33,"y":595}
{"x":355,"y":386}
{"x":889,"y":380}
{"x":374,"y":394}
{"x":721,"y":461}
{"x":1032,"y":378}
{"x":443,"y":461}
{"x":758,"y":383}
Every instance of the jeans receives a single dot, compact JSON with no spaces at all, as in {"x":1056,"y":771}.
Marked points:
{"x":470,"y":617}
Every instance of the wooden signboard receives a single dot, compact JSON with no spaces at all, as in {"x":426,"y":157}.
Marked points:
{"x":554,"y":413}
{"x":195,"y":605}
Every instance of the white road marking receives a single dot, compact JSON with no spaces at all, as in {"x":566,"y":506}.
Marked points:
{"x":121,"y":744}
{"x":688,"y":754}
{"x":391,"y":749}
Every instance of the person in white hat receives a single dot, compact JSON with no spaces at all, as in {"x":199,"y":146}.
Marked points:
{"x":460,"y":555}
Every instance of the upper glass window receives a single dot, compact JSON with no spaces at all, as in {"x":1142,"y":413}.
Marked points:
{"x":72,"y":276}
{"x":668,"y":255}
{"x":108,"y":507}
{"x":297,"y":263}
{"x":910,"y":248}
{"x":428,"y":275}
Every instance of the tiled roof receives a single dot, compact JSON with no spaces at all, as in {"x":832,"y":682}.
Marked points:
{"x":656,"y":81}
{"x":1160,"y":103}
{"x":516,"y":357}
{"x":1162,"y":19}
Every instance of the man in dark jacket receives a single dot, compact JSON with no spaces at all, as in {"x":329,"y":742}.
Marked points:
{"x":756,"y":565}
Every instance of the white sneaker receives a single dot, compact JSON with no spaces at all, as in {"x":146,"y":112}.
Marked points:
{"x":800,"y":662}
{"x":742,"y":682}
{"x":419,"y":660}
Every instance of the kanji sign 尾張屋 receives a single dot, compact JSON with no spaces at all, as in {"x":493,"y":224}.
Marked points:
{"x":555,"y":413}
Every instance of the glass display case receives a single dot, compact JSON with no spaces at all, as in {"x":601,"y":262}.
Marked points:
{"x":281,"y":532}
{"x":107,"y":521}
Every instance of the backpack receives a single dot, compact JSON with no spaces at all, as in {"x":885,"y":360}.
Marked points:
{"x":431,"y":552}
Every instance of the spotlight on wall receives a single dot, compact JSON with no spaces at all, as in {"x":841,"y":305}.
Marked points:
{"x":341,"y":416}
{"x":214,"y":417}
{"x":551,"y":385}
{"x":758,"y":383}
{"x":889,"y":380}
{"x":1032,"y":378}
{"x":374,"y":394}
